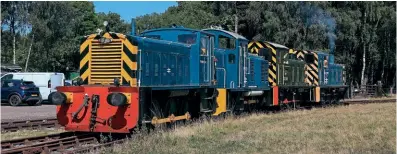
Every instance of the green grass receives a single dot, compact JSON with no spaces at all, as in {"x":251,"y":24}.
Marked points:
{"x":28,"y":133}
{"x":366,"y":128}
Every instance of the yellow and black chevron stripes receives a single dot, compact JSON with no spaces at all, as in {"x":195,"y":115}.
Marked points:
{"x":299,"y":54}
{"x":100,"y":63}
{"x":129,"y":58}
{"x":311,"y":70}
{"x":273,"y":67}
{"x":254,"y":48}
{"x":85,"y":56}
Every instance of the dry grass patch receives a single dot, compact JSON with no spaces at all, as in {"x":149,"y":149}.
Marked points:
{"x":347,"y":129}
{"x":29,"y":133}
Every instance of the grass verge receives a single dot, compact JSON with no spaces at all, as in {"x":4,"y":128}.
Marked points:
{"x":29,"y":133}
{"x":366,"y":128}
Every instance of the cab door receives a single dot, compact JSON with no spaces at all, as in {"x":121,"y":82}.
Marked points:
{"x":243,"y":63}
{"x":205,"y":59}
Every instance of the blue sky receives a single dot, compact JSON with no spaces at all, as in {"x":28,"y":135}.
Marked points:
{"x":128,"y":10}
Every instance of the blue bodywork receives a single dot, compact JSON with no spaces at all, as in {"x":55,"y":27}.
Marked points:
{"x":331,"y":75}
{"x":232,"y":57}
{"x":175,"y":58}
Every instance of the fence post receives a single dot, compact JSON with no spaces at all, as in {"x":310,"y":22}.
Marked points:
{"x":351,"y":90}
{"x":379,"y":89}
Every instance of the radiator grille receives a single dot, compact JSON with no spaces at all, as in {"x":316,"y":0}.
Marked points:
{"x":263,"y":71}
{"x":252,"y":70}
{"x":105,"y":61}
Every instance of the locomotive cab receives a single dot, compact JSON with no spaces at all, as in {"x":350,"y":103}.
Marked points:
{"x":242,"y":75}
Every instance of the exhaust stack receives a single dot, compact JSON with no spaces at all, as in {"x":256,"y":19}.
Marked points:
{"x":133,"y":27}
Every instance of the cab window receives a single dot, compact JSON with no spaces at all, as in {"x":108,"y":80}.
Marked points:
{"x":203,"y":45}
{"x":290,"y":56}
{"x":187,"y":38}
{"x":265,"y":52}
{"x":226,"y":42}
{"x":232,"y":58}
{"x":309,"y":58}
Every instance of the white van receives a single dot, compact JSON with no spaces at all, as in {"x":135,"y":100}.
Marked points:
{"x":46,"y":81}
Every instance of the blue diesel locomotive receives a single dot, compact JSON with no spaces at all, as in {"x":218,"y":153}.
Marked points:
{"x":172,"y":74}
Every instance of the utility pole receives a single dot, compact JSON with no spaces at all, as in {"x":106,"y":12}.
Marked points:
{"x":235,"y":18}
{"x":30,"y":49}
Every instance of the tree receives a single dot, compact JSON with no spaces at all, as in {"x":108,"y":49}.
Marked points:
{"x":115,"y":22}
{"x":15,"y":16}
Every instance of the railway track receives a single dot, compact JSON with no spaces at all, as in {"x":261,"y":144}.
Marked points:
{"x":70,"y":142}
{"x":29,"y":124}
{"x":62,"y":142}
{"x":366,"y":101}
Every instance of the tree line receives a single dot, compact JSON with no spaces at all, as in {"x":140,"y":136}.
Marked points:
{"x":50,"y":32}
{"x":362,"y":35}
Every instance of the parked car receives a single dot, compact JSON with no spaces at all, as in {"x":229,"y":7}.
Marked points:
{"x":45,"y":81}
{"x":16,"y":92}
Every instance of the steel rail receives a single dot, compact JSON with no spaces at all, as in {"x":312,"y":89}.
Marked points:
{"x":48,"y":144}
{"x":31,"y":140}
{"x":367,"y":101}
{"x":29,"y":124}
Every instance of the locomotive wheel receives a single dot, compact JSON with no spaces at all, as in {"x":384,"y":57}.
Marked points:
{"x":337,"y":102}
{"x":323,"y":104}
{"x":285,"y":107}
{"x":158,"y":112}
{"x":333,"y":102}
{"x":231,"y":105}
{"x":326,"y":103}
{"x":177,"y":107}
{"x":250,"y":108}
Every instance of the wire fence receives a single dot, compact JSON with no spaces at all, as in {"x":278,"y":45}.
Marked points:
{"x":367,"y":91}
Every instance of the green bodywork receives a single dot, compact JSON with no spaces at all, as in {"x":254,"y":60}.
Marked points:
{"x":290,"y":70}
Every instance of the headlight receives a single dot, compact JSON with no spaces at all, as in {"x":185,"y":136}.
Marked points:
{"x":117,"y":99}
{"x":57,"y":98}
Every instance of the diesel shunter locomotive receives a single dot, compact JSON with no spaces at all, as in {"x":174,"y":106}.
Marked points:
{"x":175,"y":74}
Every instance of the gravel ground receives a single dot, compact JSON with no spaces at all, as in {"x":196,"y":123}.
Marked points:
{"x":9,"y":113}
